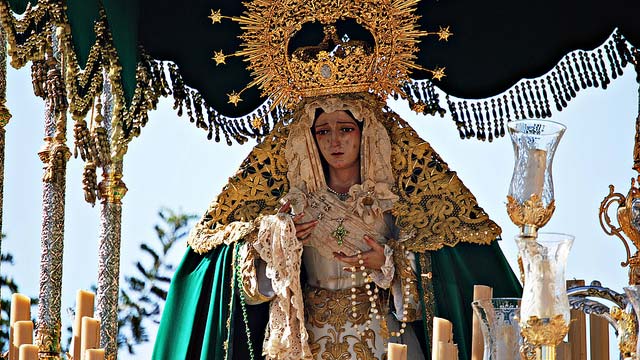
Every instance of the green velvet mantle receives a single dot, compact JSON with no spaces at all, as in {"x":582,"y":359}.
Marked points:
{"x":194,"y":322}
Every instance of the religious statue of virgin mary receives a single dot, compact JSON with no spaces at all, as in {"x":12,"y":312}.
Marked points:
{"x":342,"y":230}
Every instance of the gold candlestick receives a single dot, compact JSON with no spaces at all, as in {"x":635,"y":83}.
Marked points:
{"x":530,"y":205}
{"x":628,"y":229}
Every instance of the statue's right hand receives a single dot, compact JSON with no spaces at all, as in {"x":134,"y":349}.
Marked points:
{"x":303,"y":229}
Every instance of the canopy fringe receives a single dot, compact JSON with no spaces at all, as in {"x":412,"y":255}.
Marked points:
{"x":485,"y":119}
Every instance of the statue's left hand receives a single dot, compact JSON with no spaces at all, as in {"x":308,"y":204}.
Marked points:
{"x":371,"y":259}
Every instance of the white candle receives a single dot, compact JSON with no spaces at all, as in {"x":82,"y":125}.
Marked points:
{"x":534,"y":173}
{"x":20,"y":311}
{"x":447,"y":351}
{"x":396,"y":351}
{"x":546,"y":289}
{"x":94,"y":354}
{"x":480,"y":292}
{"x":442,"y":332}
{"x":90,"y":337}
{"x":84,"y":307}
{"x":28,"y":352}
{"x":22,"y":334}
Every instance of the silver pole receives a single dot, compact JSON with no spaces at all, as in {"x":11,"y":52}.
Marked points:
{"x":54,"y":155}
{"x":111,"y":189}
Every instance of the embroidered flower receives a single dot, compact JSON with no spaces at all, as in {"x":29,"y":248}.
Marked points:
{"x":370,"y":200}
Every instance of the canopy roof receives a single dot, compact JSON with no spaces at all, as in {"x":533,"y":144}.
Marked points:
{"x":495,"y":45}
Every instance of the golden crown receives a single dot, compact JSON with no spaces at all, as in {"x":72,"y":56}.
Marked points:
{"x":335,"y":66}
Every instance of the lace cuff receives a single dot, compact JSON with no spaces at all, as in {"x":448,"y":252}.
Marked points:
{"x":384,"y":276}
{"x":254,"y":282}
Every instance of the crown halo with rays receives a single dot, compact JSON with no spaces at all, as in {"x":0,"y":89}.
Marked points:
{"x":336,"y":66}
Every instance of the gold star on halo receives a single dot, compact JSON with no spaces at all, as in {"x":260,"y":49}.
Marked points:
{"x":215,"y":16}
{"x":234,"y":98}
{"x":444,"y":33}
{"x":438,"y":73}
{"x":219,"y":57}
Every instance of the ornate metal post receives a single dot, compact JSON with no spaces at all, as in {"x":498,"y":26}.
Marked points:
{"x":54,"y":155}
{"x":111,"y":190}
{"x":628,"y":212}
{"x":4,"y":120}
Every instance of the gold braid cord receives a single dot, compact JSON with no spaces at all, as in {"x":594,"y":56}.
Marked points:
{"x":83,"y":84}
{"x":435,"y":207}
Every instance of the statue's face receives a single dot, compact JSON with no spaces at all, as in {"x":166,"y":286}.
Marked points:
{"x":338,"y":138}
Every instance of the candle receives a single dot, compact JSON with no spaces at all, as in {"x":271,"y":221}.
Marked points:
{"x":22,"y":334}
{"x":447,"y":351}
{"x":84,"y":307}
{"x":94,"y":354}
{"x":28,"y":352}
{"x":442,"y":332}
{"x":480,"y":292}
{"x":546,"y":289}
{"x":20,"y":311}
{"x":396,"y":351}
{"x":534,"y":173}
{"x":90,"y":337}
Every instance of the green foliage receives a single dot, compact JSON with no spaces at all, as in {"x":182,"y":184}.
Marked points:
{"x":143,"y":294}
{"x":7,"y":287}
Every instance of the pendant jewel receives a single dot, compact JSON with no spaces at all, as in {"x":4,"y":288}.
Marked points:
{"x":340,"y":232}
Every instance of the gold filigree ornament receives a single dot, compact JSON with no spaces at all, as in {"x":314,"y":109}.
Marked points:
{"x":337,"y":65}
{"x":626,"y":326}
{"x":545,"y":332}
{"x":628,"y":230}
{"x":531,"y":213}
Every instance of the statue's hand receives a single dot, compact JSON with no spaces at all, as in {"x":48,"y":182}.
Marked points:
{"x":303,"y":229}
{"x":371,"y":259}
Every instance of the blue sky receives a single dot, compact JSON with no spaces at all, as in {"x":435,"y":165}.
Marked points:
{"x":173,"y":165}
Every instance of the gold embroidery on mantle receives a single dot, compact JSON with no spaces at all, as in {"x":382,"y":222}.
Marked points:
{"x":406,"y":276}
{"x":434,"y":205}
{"x":433,"y":200}
{"x":333,"y":308}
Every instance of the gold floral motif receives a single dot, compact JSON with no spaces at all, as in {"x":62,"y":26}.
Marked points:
{"x":333,"y":307}
{"x":532,"y":212}
{"x":438,"y":73}
{"x":627,"y":325}
{"x":548,"y":332}
{"x":434,"y":203}
{"x":112,"y":189}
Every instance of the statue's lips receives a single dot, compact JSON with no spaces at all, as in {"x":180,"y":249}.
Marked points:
{"x":337,"y":153}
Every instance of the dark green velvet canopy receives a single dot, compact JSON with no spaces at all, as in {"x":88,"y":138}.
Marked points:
{"x":495,"y":45}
